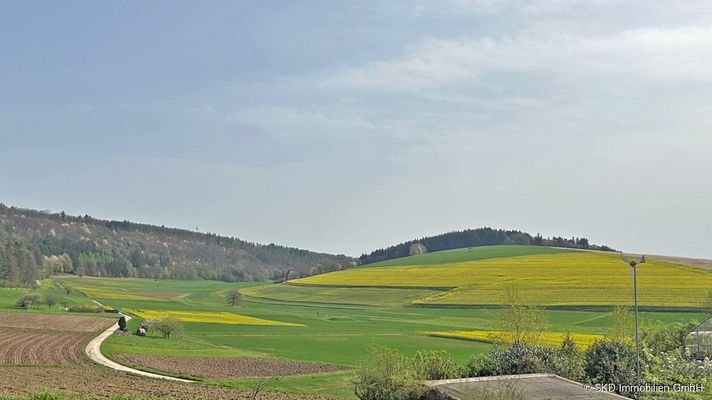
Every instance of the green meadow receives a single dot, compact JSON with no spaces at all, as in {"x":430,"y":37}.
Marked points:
{"x":330,"y":333}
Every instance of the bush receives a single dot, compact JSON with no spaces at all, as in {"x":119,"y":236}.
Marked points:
{"x":387,"y":375}
{"x":520,"y":358}
{"x":568,"y":360}
{"x":482,"y":365}
{"x":435,"y":365}
{"x":86,"y":309}
{"x":122,"y":323}
{"x":610,"y":361}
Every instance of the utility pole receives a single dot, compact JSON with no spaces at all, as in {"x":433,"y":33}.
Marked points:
{"x":633,"y":264}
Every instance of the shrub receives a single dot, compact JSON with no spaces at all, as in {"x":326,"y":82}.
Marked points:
{"x":482,"y":365}
{"x":610,"y":361}
{"x":520,"y":358}
{"x":122,"y":323}
{"x":434,"y":365}
{"x":86,"y":309}
{"x":568,"y":360}
{"x":387,"y":375}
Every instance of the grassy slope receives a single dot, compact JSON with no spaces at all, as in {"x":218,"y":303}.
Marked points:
{"x":9,"y":296}
{"x":469,"y":254}
{"x":558,"y":278}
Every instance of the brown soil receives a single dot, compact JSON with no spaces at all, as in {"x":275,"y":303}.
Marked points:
{"x":695,"y":262}
{"x":36,"y":339}
{"x":41,"y":347}
{"x":70,"y":323}
{"x":221,"y":367}
{"x":98,"y":383}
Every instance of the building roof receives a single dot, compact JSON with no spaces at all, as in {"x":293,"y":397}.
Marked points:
{"x":705,"y":326}
{"x":532,"y":387}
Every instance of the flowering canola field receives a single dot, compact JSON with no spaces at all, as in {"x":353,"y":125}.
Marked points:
{"x":576,"y":278}
{"x":550,"y":339}
{"x":210,"y":317}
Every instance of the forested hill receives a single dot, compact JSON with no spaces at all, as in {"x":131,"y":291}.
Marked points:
{"x":34,"y":244}
{"x":472,"y":238}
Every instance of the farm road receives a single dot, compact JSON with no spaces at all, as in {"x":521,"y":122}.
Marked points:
{"x":93,"y":350}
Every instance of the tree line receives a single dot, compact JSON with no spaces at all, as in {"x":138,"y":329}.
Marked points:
{"x":35,"y":244}
{"x":471,"y":238}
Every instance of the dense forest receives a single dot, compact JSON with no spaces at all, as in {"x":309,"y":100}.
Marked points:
{"x":471,"y":238}
{"x":35,"y":244}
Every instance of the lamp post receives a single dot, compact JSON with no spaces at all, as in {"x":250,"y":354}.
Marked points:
{"x":633,"y":263}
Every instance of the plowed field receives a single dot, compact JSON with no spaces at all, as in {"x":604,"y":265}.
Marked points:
{"x":99,"y":383}
{"x":71,"y":323}
{"x":223,"y":367}
{"x":31,"y":339}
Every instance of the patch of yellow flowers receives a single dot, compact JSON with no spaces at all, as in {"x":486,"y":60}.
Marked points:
{"x":210,"y":317}
{"x":549,"y":339}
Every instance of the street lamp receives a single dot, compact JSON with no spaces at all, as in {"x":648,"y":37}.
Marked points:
{"x":633,"y":263}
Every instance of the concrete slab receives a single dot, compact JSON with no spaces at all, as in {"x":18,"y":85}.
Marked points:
{"x":530,"y":386}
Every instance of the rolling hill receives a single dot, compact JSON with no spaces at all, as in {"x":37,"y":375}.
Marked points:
{"x":480,"y":276}
{"x":34,"y":244}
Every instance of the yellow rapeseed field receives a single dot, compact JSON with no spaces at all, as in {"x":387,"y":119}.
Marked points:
{"x":550,"y":339}
{"x":207,"y":316}
{"x":572,"y":278}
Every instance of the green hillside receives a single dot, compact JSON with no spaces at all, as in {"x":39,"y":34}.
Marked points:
{"x":481,"y":276}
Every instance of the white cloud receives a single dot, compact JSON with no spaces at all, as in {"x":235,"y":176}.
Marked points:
{"x":662,"y":54}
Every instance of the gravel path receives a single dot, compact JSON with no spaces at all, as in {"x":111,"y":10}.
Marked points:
{"x":93,"y":350}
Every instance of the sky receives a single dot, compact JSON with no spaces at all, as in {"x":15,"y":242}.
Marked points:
{"x":349,"y":126}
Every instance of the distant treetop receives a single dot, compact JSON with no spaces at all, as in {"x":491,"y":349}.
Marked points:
{"x":472,"y":238}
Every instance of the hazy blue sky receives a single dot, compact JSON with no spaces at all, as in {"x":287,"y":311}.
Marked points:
{"x":346,"y":126}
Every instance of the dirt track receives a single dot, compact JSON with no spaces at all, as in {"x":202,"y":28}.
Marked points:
{"x":219,"y":367}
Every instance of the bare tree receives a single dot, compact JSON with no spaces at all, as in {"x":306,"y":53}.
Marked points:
{"x":519,"y":322}
{"x":50,"y":300}
{"x":621,"y":324}
{"x":260,"y":386}
{"x":232,"y":297}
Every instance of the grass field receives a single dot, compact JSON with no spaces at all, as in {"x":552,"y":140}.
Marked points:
{"x":556,"y":278}
{"x":50,"y":287}
{"x":330,"y":319}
